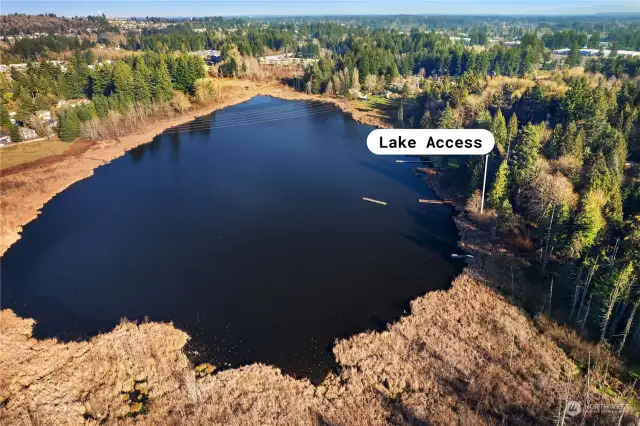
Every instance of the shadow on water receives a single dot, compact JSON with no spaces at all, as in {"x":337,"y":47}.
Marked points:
{"x":390,"y":168}
{"x":174,"y":138}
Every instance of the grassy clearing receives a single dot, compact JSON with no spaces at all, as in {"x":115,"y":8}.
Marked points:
{"x":26,"y":152}
{"x":385,"y":108}
{"x":376,"y":102}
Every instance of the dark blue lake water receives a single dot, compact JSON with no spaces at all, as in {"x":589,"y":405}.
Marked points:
{"x":251,"y":236}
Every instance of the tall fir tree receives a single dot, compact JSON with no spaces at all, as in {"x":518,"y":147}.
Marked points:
{"x":500,"y":189}
{"x":141,"y":92}
{"x":68,"y":124}
{"x":577,"y":99}
{"x":161,"y":89}
{"x":5,"y":118}
{"x":525,"y":155}
{"x":426,"y":122}
{"x":576,"y":149}
{"x":484,"y":120}
{"x":512,"y":130}
{"x":573,"y":58}
{"x":499,"y":131}
{"x":123,"y":80}
{"x":14,"y":133}
{"x":447,"y":119}
{"x":568,"y":141}
{"x":555,"y":144}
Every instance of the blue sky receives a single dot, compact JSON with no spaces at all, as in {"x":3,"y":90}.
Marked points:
{"x":316,"y":7}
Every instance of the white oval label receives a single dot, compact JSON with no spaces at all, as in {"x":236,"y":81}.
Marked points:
{"x":430,"y":141}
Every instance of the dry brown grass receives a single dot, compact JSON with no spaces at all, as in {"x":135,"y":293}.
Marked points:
{"x":25,"y":152}
{"x":112,"y":54}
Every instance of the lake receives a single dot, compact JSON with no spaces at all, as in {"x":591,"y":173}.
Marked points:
{"x":246,"y":228}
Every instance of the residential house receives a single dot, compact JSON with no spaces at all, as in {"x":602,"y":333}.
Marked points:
{"x":4,"y":138}
{"x":27,"y":133}
{"x":72,"y":102}
{"x":44,"y":114}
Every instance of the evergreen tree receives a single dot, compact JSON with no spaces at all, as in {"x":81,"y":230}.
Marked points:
{"x":588,"y":224}
{"x":41,"y":102}
{"x":555,"y":145}
{"x":123,"y":79}
{"x":14,"y":133}
{"x":180,"y":74}
{"x":25,"y":105}
{"x":574,"y":58}
{"x":447,"y":119}
{"x":505,"y":215}
{"x":484,"y":120}
{"x":499,"y":130}
{"x":161,"y":89}
{"x":568,"y":141}
{"x":141,"y":92}
{"x":101,"y":105}
{"x":101,"y":81}
{"x":5,"y":119}
{"x":576,"y":149}
{"x":577,"y":98}
{"x":512,"y":133}
{"x":426,"y":122}
{"x":525,"y":154}
{"x":68,"y":124}
{"x":512,"y":130}
{"x":500,"y":190}
{"x":86,"y":112}
{"x":230,"y":68}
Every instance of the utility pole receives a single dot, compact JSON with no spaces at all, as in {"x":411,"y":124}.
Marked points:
{"x":484,"y":182}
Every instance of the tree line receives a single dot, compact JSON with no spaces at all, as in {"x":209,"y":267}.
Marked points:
{"x":119,"y":86}
{"x":563,"y":176}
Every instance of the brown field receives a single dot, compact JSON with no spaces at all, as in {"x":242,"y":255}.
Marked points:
{"x":112,"y":54}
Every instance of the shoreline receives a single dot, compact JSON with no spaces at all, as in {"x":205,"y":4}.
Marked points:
{"x":26,"y":188}
{"x":463,"y":355}
{"x":447,"y":361}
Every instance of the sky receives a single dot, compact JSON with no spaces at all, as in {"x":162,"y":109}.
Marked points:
{"x":166,"y":8}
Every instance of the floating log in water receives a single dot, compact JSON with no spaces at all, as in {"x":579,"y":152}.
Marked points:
{"x":435,"y":201}
{"x":371,"y":200}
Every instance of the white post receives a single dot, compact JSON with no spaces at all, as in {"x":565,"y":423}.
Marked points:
{"x":484,"y":182}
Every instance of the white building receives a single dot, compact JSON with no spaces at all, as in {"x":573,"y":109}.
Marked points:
{"x":27,"y":133}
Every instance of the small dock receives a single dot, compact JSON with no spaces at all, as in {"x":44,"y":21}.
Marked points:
{"x":435,"y":201}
